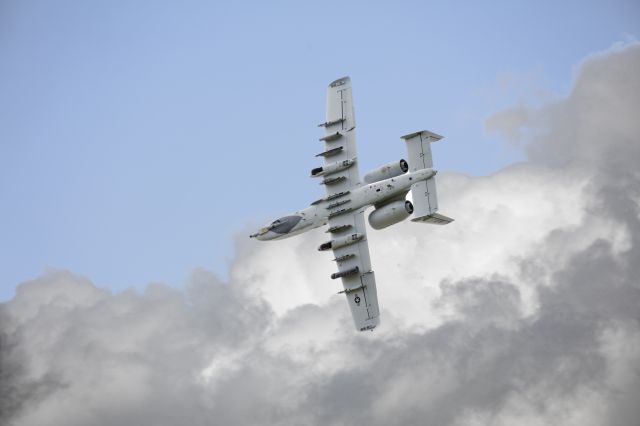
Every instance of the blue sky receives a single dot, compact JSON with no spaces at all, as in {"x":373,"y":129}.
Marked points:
{"x":138,"y":139}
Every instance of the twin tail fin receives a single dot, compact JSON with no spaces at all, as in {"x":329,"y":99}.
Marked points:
{"x":425,"y":196}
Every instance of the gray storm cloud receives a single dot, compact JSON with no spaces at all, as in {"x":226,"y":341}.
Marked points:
{"x":526,"y":310}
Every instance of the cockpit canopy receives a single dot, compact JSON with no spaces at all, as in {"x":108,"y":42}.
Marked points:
{"x":284,"y":224}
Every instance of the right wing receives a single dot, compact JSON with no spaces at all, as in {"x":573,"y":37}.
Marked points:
{"x":339,"y":140}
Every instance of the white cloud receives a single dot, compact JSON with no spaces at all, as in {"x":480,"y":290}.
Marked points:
{"x":523,"y":311}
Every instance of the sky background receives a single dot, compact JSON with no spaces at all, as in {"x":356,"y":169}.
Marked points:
{"x":138,"y":138}
{"x":141,"y":143}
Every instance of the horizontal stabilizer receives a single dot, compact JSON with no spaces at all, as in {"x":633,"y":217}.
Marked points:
{"x":434,"y":219}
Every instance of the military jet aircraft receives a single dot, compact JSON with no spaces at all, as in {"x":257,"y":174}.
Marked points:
{"x":348,"y":196}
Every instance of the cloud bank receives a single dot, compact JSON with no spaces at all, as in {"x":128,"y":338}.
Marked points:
{"x":526,"y":310}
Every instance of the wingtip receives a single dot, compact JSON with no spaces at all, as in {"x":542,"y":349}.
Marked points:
{"x":369,"y":324}
{"x":433,"y":136}
{"x":340,"y":82}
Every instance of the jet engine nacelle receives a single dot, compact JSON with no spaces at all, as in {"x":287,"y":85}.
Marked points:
{"x":390,"y":214}
{"x":393,"y":169}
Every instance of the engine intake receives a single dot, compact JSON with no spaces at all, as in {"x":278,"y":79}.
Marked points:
{"x":393,"y":169}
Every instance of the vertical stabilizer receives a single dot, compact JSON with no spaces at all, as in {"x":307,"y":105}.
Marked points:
{"x":419,"y":149}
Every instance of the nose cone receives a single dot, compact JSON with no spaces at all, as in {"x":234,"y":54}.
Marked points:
{"x":267,"y":236}
{"x":264,"y":234}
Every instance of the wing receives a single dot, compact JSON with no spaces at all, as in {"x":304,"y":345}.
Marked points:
{"x":346,"y":227}
{"x":339,"y":140}
{"x":354,"y":267}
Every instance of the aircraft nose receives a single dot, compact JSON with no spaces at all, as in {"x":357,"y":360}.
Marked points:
{"x":261,"y":234}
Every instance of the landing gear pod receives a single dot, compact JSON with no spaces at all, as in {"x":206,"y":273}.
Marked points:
{"x":332,"y":168}
{"x":341,"y":242}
